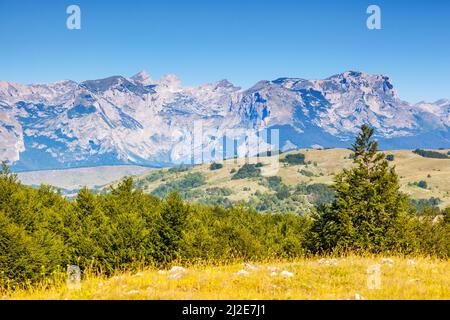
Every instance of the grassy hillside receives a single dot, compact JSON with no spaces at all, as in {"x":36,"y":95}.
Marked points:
{"x":343,"y":278}
{"x":320,"y":165}
{"x":76,"y":178}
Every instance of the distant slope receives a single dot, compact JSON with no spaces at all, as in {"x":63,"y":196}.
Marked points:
{"x":73,"y":179}
{"x":304,"y":182}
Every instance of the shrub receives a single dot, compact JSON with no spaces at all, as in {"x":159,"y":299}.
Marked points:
{"x":182,"y":185}
{"x":216,"y":191}
{"x":247,"y":171}
{"x":306,"y":173}
{"x":282,"y":192}
{"x":178,"y":169}
{"x":320,"y":193}
{"x":274,"y":182}
{"x":423,"y":205}
{"x":430,"y":154}
{"x":294,"y":159}
{"x":422,"y":184}
{"x":215,"y":166}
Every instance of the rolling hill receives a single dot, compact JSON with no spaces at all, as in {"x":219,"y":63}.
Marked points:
{"x":298,"y":185}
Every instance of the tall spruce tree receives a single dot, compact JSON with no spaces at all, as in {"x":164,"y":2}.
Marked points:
{"x":368,"y":209}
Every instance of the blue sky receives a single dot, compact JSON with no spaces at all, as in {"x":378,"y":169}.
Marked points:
{"x":243,"y":41}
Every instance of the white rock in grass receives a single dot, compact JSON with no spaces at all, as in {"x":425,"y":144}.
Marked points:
{"x":387,"y":261}
{"x":175,"y":276}
{"x":286,"y":273}
{"x":358,"y":297}
{"x":162,"y":271}
{"x":132,"y":292}
{"x":328,"y":262}
{"x":177,"y":269}
{"x":137,"y":275}
{"x":250,"y":266}
{"x":241,"y":272}
{"x":272,"y":269}
{"x":273,"y":274}
{"x":410,"y":262}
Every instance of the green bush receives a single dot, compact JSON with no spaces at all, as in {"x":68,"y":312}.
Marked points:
{"x":247,"y":171}
{"x":320,"y":194}
{"x":215,"y":166}
{"x":431,"y":154}
{"x":182,"y":185}
{"x":306,"y":173}
{"x":178,"y":169}
{"x":294,"y":159}
{"x":421,"y":184}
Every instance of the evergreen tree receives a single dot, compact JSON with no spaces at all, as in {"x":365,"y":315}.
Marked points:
{"x":172,"y":221}
{"x":368,"y":209}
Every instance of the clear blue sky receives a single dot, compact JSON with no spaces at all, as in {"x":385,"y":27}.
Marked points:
{"x":243,"y":41}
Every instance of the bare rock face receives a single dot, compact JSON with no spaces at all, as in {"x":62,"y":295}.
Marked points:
{"x":138,"y":120}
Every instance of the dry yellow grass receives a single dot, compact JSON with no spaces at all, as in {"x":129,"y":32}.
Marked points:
{"x":343,"y":278}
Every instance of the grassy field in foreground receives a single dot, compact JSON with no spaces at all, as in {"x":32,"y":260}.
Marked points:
{"x":343,"y":278}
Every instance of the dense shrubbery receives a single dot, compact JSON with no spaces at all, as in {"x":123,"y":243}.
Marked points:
{"x":425,"y":205}
{"x":183,"y":185}
{"x":320,"y":194}
{"x":431,"y":154}
{"x":41,"y":232}
{"x":306,"y":173}
{"x":247,"y":171}
{"x":178,"y":169}
{"x":215,"y":166}
{"x":390,"y":157}
{"x":421,"y":184}
{"x":294,"y":159}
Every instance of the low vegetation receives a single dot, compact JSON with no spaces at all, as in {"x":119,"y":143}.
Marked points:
{"x":431,"y":154}
{"x":349,"y":277}
{"x":183,"y":185}
{"x":247,"y":171}
{"x":294,"y":159}
{"x":215,"y":166}
{"x":390,"y":157}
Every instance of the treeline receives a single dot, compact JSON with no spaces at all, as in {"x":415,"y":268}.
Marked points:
{"x":41,"y":233}
{"x":431,"y":154}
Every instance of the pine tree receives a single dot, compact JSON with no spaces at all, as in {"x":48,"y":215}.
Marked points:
{"x":368,"y":209}
{"x":172,"y":221}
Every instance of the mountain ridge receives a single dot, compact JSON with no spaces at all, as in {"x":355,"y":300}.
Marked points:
{"x":139,"y":120}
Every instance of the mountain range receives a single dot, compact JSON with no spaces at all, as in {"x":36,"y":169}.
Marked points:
{"x":138,"y":120}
